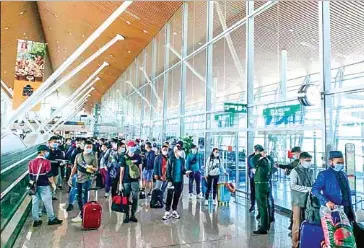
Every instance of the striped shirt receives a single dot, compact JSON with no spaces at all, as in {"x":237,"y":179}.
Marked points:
{"x":45,"y":171}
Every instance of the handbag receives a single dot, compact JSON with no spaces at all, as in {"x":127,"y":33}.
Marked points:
{"x":120,"y":203}
{"x":32,"y":186}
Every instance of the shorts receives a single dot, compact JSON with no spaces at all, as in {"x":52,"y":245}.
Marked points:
{"x":148,"y":175}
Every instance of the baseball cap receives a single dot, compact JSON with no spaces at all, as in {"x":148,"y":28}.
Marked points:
{"x":42,"y":148}
{"x":131,"y":143}
{"x":296,"y":149}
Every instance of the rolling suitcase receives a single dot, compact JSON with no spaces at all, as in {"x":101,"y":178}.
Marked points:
{"x":223,"y":193}
{"x":92,"y":211}
{"x":311,"y":235}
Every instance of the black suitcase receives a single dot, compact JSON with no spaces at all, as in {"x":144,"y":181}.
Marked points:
{"x":358,"y":229}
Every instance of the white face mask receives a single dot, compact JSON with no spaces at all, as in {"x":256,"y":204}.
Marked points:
{"x":164,"y":153}
{"x":88,"y":150}
{"x":306,"y":164}
{"x":216,"y":154}
{"x":194,"y":151}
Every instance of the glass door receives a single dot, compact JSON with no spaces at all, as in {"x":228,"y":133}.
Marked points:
{"x":233,"y":156}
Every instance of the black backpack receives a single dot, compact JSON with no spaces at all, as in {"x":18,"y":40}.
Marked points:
{"x":157,"y":199}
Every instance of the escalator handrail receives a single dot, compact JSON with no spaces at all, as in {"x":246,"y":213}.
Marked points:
{"x":11,"y":186}
{"x":17,"y":163}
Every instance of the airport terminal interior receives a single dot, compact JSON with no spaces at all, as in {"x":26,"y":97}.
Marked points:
{"x":198,"y":105}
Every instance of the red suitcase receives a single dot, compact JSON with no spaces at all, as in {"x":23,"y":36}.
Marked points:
{"x":92,"y":211}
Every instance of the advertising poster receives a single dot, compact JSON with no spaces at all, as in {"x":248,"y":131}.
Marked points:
{"x":29,"y":70}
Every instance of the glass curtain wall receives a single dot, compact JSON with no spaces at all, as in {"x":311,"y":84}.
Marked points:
{"x":200,"y":64}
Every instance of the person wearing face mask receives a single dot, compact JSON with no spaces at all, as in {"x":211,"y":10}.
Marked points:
{"x":109,"y":161}
{"x":332,"y":186}
{"x":55,"y":155}
{"x":102,"y":170}
{"x":213,"y":169}
{"x":289,"y":167}
{"x":130,"y":179}
{"x":160,"y":169}
{"x":85,"y":166}
{"x":119,"y":161}
{"x":175,"y":171}
{"x":301,"y":181}
{"x":41,"y":167}
{"x":148,"y":162}
{"x":194,"y":164}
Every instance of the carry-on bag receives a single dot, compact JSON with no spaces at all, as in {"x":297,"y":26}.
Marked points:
{"x":223,"y":193}
{"x":157,"y":199}
{"x":92,"y":211}
{"x":311,"y":235}
{"x":120,"y":203}
{"x":337,"y":229}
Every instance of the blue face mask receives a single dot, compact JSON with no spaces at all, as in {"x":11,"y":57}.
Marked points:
{"x":55,"y":145}
{"x":46,"y":154}
{"x":132,"y":149}
{"x":338,"y":167}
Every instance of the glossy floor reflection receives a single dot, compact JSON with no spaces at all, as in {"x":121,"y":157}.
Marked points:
{"x":222,"y":227}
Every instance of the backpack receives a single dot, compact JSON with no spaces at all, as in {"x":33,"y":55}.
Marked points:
{"x":157,"y":199}
{"x":134,"y":171}
{"x":312,"y":210}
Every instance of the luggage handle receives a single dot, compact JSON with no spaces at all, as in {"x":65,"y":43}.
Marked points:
{"x":96,"y":195}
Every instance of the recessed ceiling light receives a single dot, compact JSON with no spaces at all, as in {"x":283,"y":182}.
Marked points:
{"x":50,"y":28}
{"x":6,"y":28}
{"x":145,"y":31}
{"x":55,"y":16}
{"x":175,"y":33}
{"x":111,"y":55}
{"x":129,"y":52}
{"x":4,"y":72}
{"x":128,"y":22}
{"x":110,"y":73}
{"x":57,"y":41}
{"x":25,"y":34}
{"x":26,"y":37}
{"x":200,"y":43}
{"x":69,"y":33}
{"x":83,"y":36}
{"x":22,"y":12}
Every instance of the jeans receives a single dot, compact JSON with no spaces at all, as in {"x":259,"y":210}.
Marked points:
{"x":194,"y":176}
{"x":108,"y":182}
{"x":133,"y":189}
{"x":211,"y":183}
{"x":174,"y":194}
{"x":82,"y":194}
{"x":73,"y":192}
{"x":43,"y":193}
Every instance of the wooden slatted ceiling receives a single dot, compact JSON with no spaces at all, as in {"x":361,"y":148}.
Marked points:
{"x":66,"y":25}
{"x":19,"y":20}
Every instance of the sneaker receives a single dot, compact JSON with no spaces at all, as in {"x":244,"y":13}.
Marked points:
{"x":149,"y":194}
{"x":77,"y":219}
{"x":206,"y":202}
{"x":251,"y":209}
{"x":175,"y":215}
{"x":126,"y":220}
{"x":107,"y":195}
{"x":69,"y":207}
{"x":133,"y":219}
{"x":54,"y":222}
{"x":200,"y":196}
{"x":259,"y":231}
{"x":60,"y":187}
{"x":166,"y":215}
{"x":54,"y":198}
{"x":37,"y":223}
{"x":191,"y":196}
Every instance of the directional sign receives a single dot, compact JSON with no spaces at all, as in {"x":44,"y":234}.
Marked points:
{"x":281,"y":115}
{"x":235,"y":107}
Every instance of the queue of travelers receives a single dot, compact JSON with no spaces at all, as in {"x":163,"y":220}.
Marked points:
{"x":118,"y":165}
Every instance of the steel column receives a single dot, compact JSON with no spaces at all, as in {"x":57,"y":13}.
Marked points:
{"x":325,"y":63}
{"x":249,"y":79}
{"x":165,"y":82}
{"x":182,"y":103}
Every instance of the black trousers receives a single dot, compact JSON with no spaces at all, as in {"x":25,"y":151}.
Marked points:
{"x":114,"y":185}
{"x":174,"y":194}
{"x":252,"y":191}
{"x":271,"y":203}
{"x":211,"y":183}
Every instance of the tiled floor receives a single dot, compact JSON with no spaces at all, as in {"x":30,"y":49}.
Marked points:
{"x":222,"y":227}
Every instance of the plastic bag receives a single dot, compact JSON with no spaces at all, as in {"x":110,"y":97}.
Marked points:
{"x":337,"y":229}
